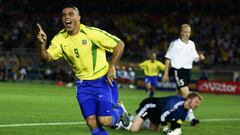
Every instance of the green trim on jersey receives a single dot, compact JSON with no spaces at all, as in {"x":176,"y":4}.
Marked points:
{"x":104,"y":32}
{"x":94,"y":54}
{"x":61,"y":32}
{"x":94,"y":51}
{"x":100,"y":69}
{"x":83,"y":31}
{"x":68,"y":59}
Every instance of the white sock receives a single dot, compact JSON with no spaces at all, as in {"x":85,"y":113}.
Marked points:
{"x":128,"y":127}
{"x":190,"y":115}
{"x":146,"y":124}
{"x":132,"y":118}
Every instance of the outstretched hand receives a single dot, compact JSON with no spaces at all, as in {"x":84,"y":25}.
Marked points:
{"x":41,"y":35}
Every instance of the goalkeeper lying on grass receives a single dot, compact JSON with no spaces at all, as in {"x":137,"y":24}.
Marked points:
{"x":153,"y":112}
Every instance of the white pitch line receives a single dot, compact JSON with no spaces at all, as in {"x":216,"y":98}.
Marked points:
{"x":83,"y":123}
{"x":42,"y":124}
{"x":212,"y":120}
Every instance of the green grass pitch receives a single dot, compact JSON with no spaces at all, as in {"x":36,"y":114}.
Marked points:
{"x":36,"y":104}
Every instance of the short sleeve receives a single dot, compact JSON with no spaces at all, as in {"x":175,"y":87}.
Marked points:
{"x":142,"y":65}
{"x":55,"y":49}
{"x":161,"y":66}
{"x":169,"y":53}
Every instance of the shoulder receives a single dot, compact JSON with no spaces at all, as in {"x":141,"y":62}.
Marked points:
{"x":146,"y":61}
{"x":90,"y":29}
{"x":61,"y":34}
{"x":191,"y":42}
{"x":180,"y":98}
{"x":158,"y":61}
{"x":175,"y":41}
{"x":177,"y":98}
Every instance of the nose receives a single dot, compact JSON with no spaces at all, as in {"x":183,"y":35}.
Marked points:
{"x":66,"y":16}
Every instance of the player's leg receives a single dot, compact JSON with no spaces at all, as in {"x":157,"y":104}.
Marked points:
{"x":109,"y":113}
{"x":114,"y":93}
{"x":182,"y":77}
{"x":137,"y":124}
{"x":184,"y":91}
{"x":116,"y":106}
{"x":147,"y":84}
{"x":88,"y":108}
{"x":154,"y":81}
{"x":89,"y":113}
{"x":142,"y":115}
{"x":154,"y":127}
{"x":152,"y":91}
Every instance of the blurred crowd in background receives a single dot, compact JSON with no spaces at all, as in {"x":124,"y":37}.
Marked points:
{"x":144,"y":26}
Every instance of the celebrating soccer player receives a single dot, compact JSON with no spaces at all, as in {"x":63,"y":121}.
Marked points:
{"x":84,"y":48}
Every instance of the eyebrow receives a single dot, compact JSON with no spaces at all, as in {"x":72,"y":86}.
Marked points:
{"x":68,"y":12}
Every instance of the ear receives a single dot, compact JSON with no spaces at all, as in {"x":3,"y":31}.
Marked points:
{"x":79,"y":17}
{"x":188,"y":100}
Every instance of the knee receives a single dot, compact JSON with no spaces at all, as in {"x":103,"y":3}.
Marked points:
{"x":92,"y":122}
{"x":184,"y":91}
{"x":133,"y":129}
{"x":184,"y":94}
{"x":148,"y":86}
{"x":105,"y":121}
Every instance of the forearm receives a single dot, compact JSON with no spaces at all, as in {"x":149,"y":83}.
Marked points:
{"x":167,"y":66}
{"x":44,"y":55}
{"x":117,"y":53}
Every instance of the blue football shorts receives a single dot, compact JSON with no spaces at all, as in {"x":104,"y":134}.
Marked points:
{"x":153,"y":80}
{"x":96,"y":97}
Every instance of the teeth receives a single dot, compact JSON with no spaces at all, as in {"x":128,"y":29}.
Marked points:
{"x":68,"y":21}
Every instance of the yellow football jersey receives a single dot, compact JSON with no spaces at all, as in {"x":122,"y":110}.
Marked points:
{"x":84,"y":52}
{"x":152,"y":68}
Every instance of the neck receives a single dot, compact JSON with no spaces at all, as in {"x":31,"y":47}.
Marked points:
{"x":75,"y":31}
{"x":184,"y":40}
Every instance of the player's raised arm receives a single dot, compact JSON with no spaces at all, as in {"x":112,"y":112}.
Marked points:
{"x":41,"y":41}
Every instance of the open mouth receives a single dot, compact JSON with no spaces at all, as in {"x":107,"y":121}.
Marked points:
{"x":68,"y":23}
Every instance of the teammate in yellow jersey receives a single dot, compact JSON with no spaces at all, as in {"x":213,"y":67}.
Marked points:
{"x":151,"y":69}
{"x":84,"y":48}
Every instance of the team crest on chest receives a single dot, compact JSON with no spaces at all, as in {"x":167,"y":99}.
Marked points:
{"x":84,"y":41}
